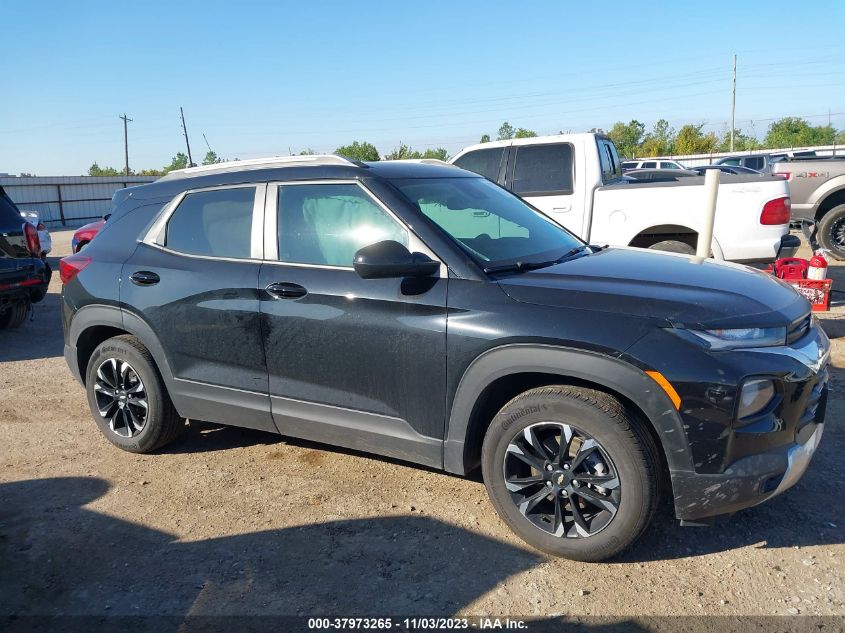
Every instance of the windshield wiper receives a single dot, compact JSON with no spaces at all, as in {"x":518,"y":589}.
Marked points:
{"x":522,"y":266}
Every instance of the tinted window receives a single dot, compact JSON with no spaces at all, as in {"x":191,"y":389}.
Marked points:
{"x":327,"y":224}
{"x":492,"y":225}
{"x":629,"y":165}
{"x":543,"y":169}
{"x":217,"y":223}
{"x":669,"y":166}
{"x":754,"y":162}
{"x":729,"y":161}
{"x":484,"y":162}
{"x":9,"y":214}
{"x":609,"y":161}
{"x":649,"y":165}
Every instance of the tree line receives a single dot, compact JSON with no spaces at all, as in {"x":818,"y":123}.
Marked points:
{"x":631,"y":139}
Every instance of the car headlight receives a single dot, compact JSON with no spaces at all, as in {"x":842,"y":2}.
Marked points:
{"x":741,"y":337}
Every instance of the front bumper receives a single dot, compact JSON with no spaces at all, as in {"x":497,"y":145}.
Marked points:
{"x":767,"y":459}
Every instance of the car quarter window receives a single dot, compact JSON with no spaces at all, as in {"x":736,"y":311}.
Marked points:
{"x":543,"y":169}
{"x":485,"y":162}
{"x":325,"y":224}
{"x":216,"y":223}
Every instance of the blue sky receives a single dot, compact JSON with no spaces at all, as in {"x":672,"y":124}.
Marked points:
{"x":265,"y":78}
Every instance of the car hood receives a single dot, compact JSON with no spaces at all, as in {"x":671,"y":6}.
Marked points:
{"x":678,"y":289}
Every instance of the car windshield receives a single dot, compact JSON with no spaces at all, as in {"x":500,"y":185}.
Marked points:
{"x":491,"y":224}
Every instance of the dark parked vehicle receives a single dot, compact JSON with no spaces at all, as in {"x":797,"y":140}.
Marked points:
{"x":659,"y":175}
{"x":422,"y":312}
{"x":733,"y":170}
{"x":24,"y":276}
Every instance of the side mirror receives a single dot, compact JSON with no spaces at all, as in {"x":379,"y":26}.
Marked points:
{"x":390,"y":259}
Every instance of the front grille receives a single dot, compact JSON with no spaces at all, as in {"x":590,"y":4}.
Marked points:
{"x":798,"y":329}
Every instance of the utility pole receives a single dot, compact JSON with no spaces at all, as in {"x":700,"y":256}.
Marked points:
{"x":733,"y":106}
{"x":185,"y":130}
{"x":126,"y":120}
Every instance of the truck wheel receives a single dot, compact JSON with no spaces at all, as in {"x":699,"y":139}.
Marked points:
{"x":571,"y":472}
{"x":831,"y":233}
{"x":128,"y":398}
{"x":673,"y":246}
{"x":14,"y":315}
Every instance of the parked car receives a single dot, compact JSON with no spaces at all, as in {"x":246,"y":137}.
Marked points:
{"x":651,"y":163}
{"x":658,"y":175}
{"x":24,"y":276}
{"x":43,"y":234}
{"x":733,"y":170}
{"x":761,"y":162}
{"x":576,"y":180}
{"x":307,"y":296}
{"x":817,"y":186}
{"x":84,"y":234}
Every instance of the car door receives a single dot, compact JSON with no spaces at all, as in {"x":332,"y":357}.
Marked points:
{"x":351,"y":362}
{"x":543,"y":174}
{"x":193,"y":281}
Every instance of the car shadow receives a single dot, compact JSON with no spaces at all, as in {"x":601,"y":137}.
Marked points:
{"x":40,"y":336}
{"x":61,"y":558}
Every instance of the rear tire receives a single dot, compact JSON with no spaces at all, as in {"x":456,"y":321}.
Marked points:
{"x":673,"y":246}
{"x":14,"y":315}
{"x":601,"y":490}
{"x":831,"y":232}
{"x":128,"y":398}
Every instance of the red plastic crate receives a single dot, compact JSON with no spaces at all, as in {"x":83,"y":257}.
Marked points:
{"x":817,"y":291}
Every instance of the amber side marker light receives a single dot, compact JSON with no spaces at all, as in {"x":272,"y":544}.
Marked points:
{"x":660,"y":379}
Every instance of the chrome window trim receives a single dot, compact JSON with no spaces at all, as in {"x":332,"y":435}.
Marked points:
{"x":271,"y":235}
{"x":214,"y":258}
{"x":156,"y":236}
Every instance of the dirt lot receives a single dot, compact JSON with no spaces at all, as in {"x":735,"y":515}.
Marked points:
{"x":236,"y":522}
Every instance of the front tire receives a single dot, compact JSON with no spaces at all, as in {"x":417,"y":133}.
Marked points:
{"x":128,"y":398}
{"x":571,"y":472}
{"x":831,"y":232}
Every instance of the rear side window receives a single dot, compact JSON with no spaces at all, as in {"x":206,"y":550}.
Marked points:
{"x":485,"y":162}
{"x":755,"y":162}
{"x":216,"y":223}
{"x":543,"y":170}
{"x":326,"y":224}
{"x":649,"y":165}
{"x":9,"y":214}
{"x":668,"y":166}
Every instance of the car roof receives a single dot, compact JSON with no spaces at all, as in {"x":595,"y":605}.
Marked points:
{"x":292,"y":168}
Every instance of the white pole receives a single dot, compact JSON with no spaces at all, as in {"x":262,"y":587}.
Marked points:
{"x":711,"y":192}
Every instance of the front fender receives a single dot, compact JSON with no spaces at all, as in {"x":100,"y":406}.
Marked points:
{"x":610,"y":373}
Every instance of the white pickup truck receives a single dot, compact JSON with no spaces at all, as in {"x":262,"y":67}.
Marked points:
{"x":576,"y":179}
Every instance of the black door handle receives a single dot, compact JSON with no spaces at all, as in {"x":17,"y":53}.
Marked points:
{"x":286,"y":290}
{"x":144,"y":278}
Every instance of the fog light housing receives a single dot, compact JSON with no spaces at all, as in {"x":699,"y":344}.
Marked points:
{"x":755,"y":397}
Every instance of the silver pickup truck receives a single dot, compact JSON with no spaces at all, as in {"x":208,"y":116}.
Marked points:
{"x":817,"y":190}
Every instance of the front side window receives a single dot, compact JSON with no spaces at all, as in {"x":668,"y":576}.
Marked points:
{"x":494,"y":226}
{"x":326,"y":224}
{"x":648,"y":165}
{"x":216,"y":223}
{"x":543,"y":170}
{"x":484,"y":162}
{"x":669,"y":166}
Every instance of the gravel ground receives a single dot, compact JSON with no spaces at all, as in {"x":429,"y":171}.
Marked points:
{"x":237,"y":522}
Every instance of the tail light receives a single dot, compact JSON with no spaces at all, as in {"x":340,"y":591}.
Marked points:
{"x":72,"y":265}
{"x":784,"y":174}
{"x":776,"y":211}
{"x":32,"y":241}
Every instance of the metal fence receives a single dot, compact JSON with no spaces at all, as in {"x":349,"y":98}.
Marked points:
{"x":68,"y":200}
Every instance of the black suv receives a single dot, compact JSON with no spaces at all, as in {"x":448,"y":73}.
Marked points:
{"x":24,"y":276}
{"x":421,"y":312}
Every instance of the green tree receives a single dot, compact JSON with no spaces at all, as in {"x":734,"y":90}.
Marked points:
{"x":358,"y":151}
{"x":307,"y":152}
{"x":840,"y":138}
{"x":506,"y":132}
{"x":180,"y":161}
{"x":151,"y":172}
{"x":627,"y":137}
{"x":96,"y":170}
{"x":523,"y":133}
{"x":439,"y":153}
{"x":742,"y":142}
{"x":796,"y":132}
{"x":485,"y":138}
{"x":403,"y":152}
{"x":660,"y":141}
{"x":211,"y":158}
{"x":691,"y":140}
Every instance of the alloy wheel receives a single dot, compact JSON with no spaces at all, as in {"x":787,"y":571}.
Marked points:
{"x":561,"y":480}
{"x":121,"y":397}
